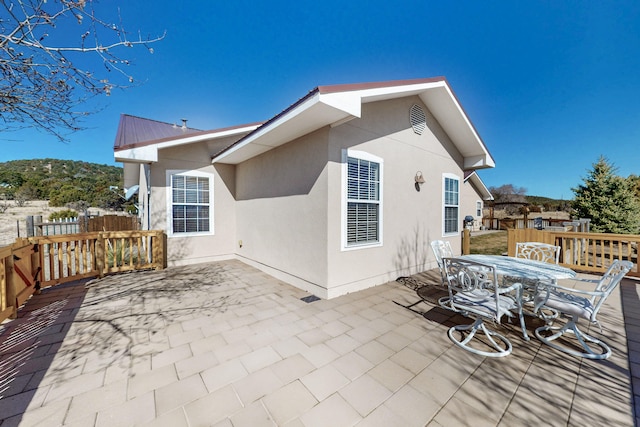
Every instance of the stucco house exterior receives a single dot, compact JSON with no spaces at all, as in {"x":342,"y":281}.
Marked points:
{"x":343,"y":190}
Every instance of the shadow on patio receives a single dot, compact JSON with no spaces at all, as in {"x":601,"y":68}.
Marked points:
{"x":224,"y":343}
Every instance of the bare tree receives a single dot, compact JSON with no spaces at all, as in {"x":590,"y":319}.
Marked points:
{"x":42,"y":82}
{"x":509,"y":197}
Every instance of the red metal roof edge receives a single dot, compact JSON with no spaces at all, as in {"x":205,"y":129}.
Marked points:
{"x":172,"y":138}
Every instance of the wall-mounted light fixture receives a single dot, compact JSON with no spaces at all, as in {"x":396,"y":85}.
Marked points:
{"x":419,"y":180}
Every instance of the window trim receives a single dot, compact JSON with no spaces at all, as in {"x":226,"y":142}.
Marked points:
{"x":169,"y":199}
{"x":479,"y":208}
{"x":454,"y":177}
{"x":362,"y":155}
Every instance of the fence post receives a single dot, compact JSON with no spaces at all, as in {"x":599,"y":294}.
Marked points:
{"x":37,"y":226}
{"x":511,"y":242}
{"x":11,"y":286}
{"x":158,"y":244}
{"x":30,"y":230}
{"x":100,"y":255}
{"x":466,"y":241}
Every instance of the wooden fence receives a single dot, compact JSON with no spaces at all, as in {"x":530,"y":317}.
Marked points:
{"x":589,"y":252}
{"x":31,"y":264}
{"x":538,"y":223}
{"x":82,"y":224}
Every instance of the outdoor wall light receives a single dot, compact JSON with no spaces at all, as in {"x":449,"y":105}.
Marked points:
{"x":419,"y":180}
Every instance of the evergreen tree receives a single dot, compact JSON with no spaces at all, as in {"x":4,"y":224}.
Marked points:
{"x":608,"y":200}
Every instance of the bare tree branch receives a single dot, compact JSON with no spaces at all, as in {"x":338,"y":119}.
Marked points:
{"x":41,"y":84}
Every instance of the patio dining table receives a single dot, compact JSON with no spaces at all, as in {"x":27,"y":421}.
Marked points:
{"x":525,"y":271}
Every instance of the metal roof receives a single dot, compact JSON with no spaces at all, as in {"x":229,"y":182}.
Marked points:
{"x":134,"y":130}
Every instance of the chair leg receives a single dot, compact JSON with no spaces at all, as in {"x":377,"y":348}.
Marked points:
{"x":478,"y":326}
{"x":583,"y":339}
{"x":523,"y":326}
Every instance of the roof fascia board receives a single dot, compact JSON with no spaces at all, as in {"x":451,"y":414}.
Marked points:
{"x":149,"y":153}
{"x":375,"y":94}
{"x":463,"y":114}
{"x":262,"y":130}
{"x":205,"y":137}
{"x":484,"y":160}
{"x":479,"y":162}
{"x":479,"y":184}
{"x":146,"y":154}
{"x":349,"y":102}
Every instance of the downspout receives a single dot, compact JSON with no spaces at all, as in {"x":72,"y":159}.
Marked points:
{"x":147,"y":173}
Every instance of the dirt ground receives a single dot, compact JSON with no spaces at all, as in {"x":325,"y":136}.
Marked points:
{"x":13,"y":222}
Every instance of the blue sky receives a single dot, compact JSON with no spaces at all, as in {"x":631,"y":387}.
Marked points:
{"x":550,"y":86}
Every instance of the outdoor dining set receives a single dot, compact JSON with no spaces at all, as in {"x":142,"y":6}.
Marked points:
{"x":487,"y":288}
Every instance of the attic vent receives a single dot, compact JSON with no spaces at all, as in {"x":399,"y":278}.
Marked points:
{"x":418,"y":119}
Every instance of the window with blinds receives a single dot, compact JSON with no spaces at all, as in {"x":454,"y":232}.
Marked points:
{"x":451,"y":204}
{"x":363,"y":202}
{"x":190,"y":204}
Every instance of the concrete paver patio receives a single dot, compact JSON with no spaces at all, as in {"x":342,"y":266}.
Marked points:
{"x":223,"y":344}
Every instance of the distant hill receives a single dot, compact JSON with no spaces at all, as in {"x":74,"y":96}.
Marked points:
{"x":61,"y":182}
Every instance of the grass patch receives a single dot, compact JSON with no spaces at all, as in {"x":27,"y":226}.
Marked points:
{"x":489,"y":244}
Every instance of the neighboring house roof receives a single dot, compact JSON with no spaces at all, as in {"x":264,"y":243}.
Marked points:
{"x":139,"y":139}
{"x":333,"y":105}
{"x":472,"y":176}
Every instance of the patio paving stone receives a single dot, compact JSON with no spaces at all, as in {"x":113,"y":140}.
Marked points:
{"x":289,"y":402}
{"x":224,"y":374}
{"x":365,"y":394}
{"x":324,"y":381}
{"x":223,"y":344}
{"x":177,"y":394}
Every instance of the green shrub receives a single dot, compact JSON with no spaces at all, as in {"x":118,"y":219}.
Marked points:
{"x":67,"y":213}
{"x":116,"y":257}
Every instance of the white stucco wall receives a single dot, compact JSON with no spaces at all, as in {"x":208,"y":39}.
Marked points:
{"x":412,"y":219}
{"x":470,"y":196}
{"x":203,"y":248}
{"x":282,"y":212}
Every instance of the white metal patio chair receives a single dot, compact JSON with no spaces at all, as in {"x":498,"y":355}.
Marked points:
{"x":578,"y":304}
{"x":474,"y":292}
{"x":538,"y":251}
{"x":441,"y":249}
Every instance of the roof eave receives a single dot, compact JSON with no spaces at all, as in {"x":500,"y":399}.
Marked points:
{"x":147,"y":152}
{"x":479,"y":184}
{"x":446,"y":108}
{"x":310,"y":113}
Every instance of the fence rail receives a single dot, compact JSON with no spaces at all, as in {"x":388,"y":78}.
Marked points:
{"x":538,"y":223}
{"x":30,"y":264}
{"x":589,"y":252}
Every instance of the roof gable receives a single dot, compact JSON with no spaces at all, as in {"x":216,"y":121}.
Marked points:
{"x":472,"y":176}
{"x":331,"y":105}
